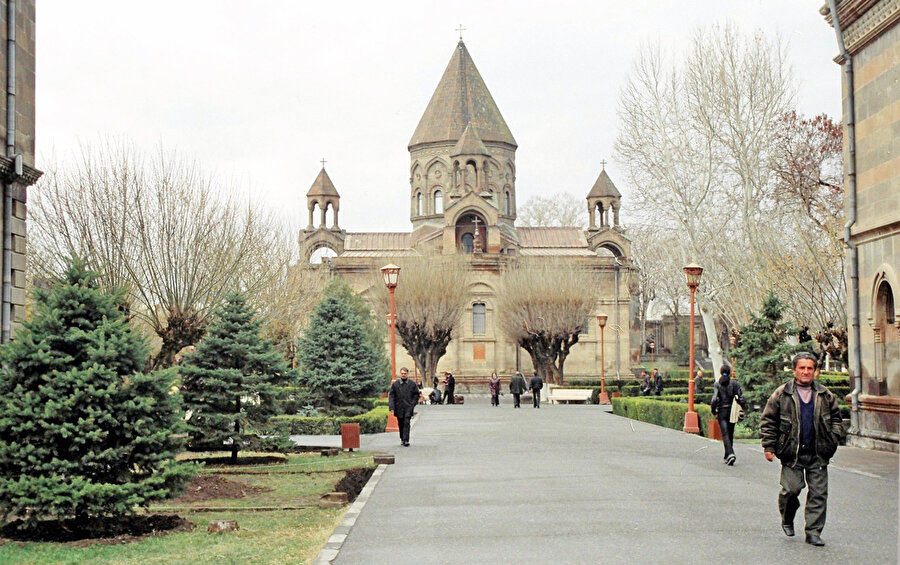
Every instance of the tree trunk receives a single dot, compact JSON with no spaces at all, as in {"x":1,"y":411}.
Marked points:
{"x":235,"y":444}
{"x":712,"y":337}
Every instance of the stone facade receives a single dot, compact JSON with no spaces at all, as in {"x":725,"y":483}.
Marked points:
{"x":872,"y":38}
{"x":17,"y":160}
{"x":463,"y":202}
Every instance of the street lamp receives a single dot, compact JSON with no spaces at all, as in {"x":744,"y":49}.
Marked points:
{"x":603,"y":398}
{"x":391,"y":274}
{"x":652,"y":349}
{"x":692,"y":274}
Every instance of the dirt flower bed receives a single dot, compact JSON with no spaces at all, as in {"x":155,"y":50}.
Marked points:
{"x":210,"y":487}
{"x":103,"y":531}
{"x":354,"y":481}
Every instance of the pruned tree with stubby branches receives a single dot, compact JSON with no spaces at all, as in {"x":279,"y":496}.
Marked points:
{"x":431,"y":295}
{"x":176,"y":239}
{"x":543,"y":306}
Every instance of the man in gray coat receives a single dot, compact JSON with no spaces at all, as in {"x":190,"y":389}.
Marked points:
{"x":402,"y":402}
{"x":517,"y":386}
{"x":801,"y":426}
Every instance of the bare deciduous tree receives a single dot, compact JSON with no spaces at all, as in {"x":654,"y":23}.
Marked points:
{"x":429,"y":300}
{"x":543,"y":307}
{"x":700,"y":138}
{"x":178,"y":241}
{"x":558,"y":210}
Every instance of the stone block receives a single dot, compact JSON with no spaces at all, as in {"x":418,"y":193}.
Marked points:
{"x":330,"y":452}
{"x":19,"y":209}
{"x":383,"y":459}
{"x":222,"y":526}
{"x":333,"y":500}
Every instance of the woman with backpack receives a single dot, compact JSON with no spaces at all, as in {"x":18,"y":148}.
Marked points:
{"x":726,"y":392}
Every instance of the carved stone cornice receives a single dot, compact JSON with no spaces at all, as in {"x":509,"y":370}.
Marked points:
{"x":29,"y":175}
{"x":862,"y":21}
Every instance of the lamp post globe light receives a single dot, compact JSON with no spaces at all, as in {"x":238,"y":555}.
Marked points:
{"x":391,"y":275}
{"x":692,"y":274}
{"x":604,"y":397}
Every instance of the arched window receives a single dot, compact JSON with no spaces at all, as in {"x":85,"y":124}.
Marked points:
{"x":419,"y":204}
{"x":438,"y":202}
{"x":468,"y":243}
{"x":508,"y":205}
{"x":478,"y":318}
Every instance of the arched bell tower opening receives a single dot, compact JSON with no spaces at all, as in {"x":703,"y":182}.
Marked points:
{"x":471,"y":233}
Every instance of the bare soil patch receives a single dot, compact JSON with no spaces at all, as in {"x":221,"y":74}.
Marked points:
{"x":210,"y":487}
{"x":104,"y":531}
{"x":354,"y":481}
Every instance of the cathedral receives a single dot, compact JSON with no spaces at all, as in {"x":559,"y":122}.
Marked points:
{"x":462,"y":200}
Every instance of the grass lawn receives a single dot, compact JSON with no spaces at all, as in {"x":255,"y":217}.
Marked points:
{"x":272,"y":536}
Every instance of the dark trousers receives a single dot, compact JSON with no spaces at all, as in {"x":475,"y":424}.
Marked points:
{"x":495,"y":400}
{"x":449,"y":397}
{"x":403,"y":424}
{"x":727,"y":429}
{"x":537,"y":398}
{"x":792,"y":482}
{"x":517,"y":397}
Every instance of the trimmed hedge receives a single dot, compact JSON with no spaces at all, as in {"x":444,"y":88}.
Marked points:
{"x":372,"y":422}
{"x":659,"y":412}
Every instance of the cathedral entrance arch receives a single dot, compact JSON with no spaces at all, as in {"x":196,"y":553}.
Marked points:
{"x":471,"y":232}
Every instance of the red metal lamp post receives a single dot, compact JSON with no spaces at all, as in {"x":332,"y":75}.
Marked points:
{"x":692,"y":273}
{"x":604,"y":397}
{"x":391,"y":274}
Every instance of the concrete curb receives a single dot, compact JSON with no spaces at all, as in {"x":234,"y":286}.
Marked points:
{"x":333,"y":546}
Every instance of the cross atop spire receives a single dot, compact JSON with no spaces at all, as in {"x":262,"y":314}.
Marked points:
{"x":603,"y":164}
{"x":323,"y":162}
{"x":460,"y":29}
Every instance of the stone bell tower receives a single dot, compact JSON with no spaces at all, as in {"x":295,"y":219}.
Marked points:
{"x":462,"y":163}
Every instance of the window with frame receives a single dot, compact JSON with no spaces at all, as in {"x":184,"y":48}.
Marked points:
{"x":479,"y":313}
{"x":419,"y":204}
{"x":438,"y":202}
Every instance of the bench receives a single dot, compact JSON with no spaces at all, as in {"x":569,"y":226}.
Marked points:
{"x":557,"y":395}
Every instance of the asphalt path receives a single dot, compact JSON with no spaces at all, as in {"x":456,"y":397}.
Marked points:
{"x":576,"y":484}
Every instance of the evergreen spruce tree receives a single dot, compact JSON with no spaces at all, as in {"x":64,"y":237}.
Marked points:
{"x":374,"y":328}
{"x":83,"y":433}
{"x":762,"y":352}
{"x":232,"y":380}
{"x":339,"y":365}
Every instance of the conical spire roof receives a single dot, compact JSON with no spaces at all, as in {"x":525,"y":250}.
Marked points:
{"x":461,"y":98}
{"x":470,"y":143}
{"x":323,"y":186}
{"x":604,"y":187}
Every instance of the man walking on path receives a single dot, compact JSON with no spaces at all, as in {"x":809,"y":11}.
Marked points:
{"x":517,"y":386}
{"x":657,"y":382}
{"x":801,"y":426}
{"x":402,"y":402}
{"x":536,"y":384}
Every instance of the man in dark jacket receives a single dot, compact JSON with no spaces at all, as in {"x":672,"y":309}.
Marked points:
{"x":657,"y":382}
{"x":536,"y":384}
{"x":801,"y":426}
{"x":402,"y":402}
{"x":449,"y":388}
{"x":517,"y":386}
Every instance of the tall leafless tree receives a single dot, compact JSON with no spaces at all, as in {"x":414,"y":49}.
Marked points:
{"x":700,"y":138}
{"x":429,"y":301}
{"x":544,"y":306}
{"x":175,"y":238}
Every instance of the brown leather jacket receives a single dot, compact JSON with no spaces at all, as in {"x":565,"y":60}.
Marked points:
{"x":779,"y":426}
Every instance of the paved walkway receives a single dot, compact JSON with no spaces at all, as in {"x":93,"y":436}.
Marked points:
{"x":575,"y":484}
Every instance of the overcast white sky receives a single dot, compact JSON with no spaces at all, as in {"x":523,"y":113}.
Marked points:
{"x":259,"y":92}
